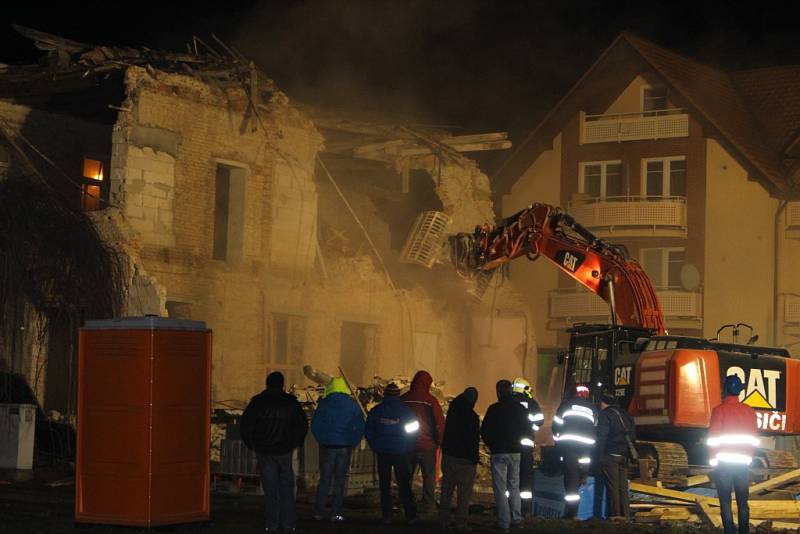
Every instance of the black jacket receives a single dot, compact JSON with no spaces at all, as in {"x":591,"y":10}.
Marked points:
{"x":462,"y":430}
{"x":612,"y":424}
{"x":574,"y":422}
{"x":505,"y":425}
{"x":273,"y":423}
{"x":535,"y":415}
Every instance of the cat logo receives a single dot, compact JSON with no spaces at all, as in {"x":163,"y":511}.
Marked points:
{"x":571,"y":262}
{"x":622,"y":376}
{"x":761,"y":387}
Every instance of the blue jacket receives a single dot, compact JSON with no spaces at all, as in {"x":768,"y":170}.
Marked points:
{"x":338,"y":421}
{"x":392,"y":428}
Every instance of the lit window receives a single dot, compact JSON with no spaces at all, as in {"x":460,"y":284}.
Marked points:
{"x":92,"y":184}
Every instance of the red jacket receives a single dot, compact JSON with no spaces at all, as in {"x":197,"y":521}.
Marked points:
{"x":428,"y":412}
{"x":733,"y":434}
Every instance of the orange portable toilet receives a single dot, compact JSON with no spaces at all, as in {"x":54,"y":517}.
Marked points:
{"x":144,"y":406}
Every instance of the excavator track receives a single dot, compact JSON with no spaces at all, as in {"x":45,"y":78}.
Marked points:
{"x":671,"y":461}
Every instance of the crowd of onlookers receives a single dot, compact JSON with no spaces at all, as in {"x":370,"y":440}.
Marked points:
{"x":409,"y":433}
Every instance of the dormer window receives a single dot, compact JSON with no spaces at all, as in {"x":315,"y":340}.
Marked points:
{"x":654,"y":99}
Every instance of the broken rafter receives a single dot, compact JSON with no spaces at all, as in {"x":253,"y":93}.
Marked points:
{"x":46,"y":41}
{"x":775,"y":482}
{"x":431,"y":145}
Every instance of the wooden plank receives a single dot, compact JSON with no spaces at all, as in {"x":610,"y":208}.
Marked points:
{"x":696,"y":480}
{"x":708,"y":515}
{"x":471,"y":147}
{"x":672,"y":494}
{"x":774,"y":482}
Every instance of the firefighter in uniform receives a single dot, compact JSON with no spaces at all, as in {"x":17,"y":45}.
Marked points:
{"x":732,"y":442}
{"x":574,"y":434}
{"x":524,"y":394}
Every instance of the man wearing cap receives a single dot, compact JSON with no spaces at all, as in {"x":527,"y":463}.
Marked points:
{"x":614,"y":428}
{"x":504,"y":429}
{"x":523,"y":393}
{"x":338,"y":425}
{"x":574,"y":434}
{"x":732,"y":442}
{"x":392,"y":431}
{"x":273,"y":425}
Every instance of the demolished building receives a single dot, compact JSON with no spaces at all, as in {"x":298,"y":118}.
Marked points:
{"x":283,"y":227}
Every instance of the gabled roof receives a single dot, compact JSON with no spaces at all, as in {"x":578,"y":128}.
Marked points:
{"x":733,"y":104}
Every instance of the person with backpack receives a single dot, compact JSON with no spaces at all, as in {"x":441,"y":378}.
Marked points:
{"x":274,"y":425}
{"x":338,"y":426}
{"x":615,"y":436}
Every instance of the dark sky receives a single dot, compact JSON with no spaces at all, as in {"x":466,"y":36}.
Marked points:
{"x":482,"y":64}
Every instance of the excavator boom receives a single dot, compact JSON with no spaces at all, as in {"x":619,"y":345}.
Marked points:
{"x":544,"y":230}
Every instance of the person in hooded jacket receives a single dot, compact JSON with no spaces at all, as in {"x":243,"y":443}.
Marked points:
{"x":505,"y":430}
{"x":431,"y":432}
{"x":391,"y":432}
{"x":459,"y":456}
{"x":273,"y":425}
{"x":338,"y":426}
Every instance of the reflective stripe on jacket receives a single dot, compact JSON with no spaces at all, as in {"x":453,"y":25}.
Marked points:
{"x":575,"y":421}
{"x":733,"y":434}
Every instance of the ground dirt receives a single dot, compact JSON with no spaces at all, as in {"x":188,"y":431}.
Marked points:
{"x":37,"y":508}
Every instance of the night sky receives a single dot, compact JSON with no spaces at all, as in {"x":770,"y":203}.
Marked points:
{"x":483,"y":65}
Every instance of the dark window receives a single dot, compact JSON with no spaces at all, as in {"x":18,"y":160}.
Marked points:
{"x":229,"y":193}
{"x":677,"y":178}
{"x":654,"y":99}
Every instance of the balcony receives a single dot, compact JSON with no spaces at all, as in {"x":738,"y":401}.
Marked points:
{"x":632,"y":216}
{"x":682,"y":309}
{"x":793,"y":220}
{"x":618,"y":127}
{"x":791,"y":310}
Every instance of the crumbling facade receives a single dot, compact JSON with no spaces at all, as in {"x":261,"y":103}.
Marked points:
{"x":283,"y":229}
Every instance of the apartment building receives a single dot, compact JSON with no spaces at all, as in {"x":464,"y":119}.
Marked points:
{"x":691,"y":168}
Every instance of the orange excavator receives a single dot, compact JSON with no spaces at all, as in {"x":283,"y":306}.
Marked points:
{"x":669,"y":384}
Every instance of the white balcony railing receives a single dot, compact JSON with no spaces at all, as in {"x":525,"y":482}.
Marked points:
{"x":791,"y":309}
{"x":660,"y":124}
{"x":634,"y":216}
{"x":793,"y":216}
{"x":680,"y":308}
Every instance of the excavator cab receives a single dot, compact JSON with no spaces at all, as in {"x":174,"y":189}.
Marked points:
{"x":603,"y":356}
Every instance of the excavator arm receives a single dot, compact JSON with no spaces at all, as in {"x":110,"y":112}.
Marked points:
{"x":544,"y":230}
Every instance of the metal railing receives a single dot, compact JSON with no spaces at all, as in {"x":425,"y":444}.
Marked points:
{"x":617,"y":127}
